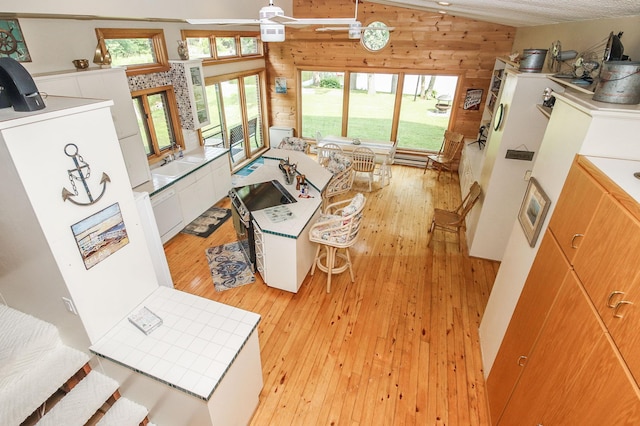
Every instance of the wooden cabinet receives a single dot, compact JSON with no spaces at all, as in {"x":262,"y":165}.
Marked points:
{"x":607,"y":263}
{"x":188,"y":83}
{"x":570,"y":352}
{"x":574,"y":376}
{"x":543,"y":283}
{"x":577,"y":204}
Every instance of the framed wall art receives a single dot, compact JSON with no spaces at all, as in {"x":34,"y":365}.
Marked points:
{"x":12,"y":42}
{"x":281,"y":85}
{"x":472,"y":99}
{"x":100,"y":235}
{"x":533,"y":210}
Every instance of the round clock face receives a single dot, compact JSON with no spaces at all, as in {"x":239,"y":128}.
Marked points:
{"x":375,"y":36}
{"x":8,"y":43}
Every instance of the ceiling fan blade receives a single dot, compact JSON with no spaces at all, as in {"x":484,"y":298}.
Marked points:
{"x":289,"y":21}
{"x":224,"y":21}
{"x":324,"y":29}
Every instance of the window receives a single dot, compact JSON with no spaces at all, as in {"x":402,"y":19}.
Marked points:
{"x":157,"y":118}
{"x":236,"y":112}
{"x":216,"y":46}
{"x":377,"y":105}
{"x":141,"y":51}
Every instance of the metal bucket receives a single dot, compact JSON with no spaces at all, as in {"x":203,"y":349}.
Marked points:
{"x":532,"y":60}
{"x":619,"y":83}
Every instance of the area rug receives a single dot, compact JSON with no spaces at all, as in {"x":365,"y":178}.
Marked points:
{"x":229,"y":267}
{"x":207,"y":222}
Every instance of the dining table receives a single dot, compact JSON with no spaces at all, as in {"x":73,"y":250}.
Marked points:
{"x":384,"y":150}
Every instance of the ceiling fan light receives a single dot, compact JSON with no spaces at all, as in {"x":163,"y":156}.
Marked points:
{"x":355,"y":30}
{"x":271,"y":32}
{"x":270,"y":11}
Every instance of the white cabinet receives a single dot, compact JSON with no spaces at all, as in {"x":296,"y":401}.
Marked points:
{"x":221,"y":176}
{"x":497,"y":79}
{"x":188,"y":84}
{"x":517,"y":125}
{"x":108,"y":83}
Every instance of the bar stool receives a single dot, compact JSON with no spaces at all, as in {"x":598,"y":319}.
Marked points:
{"x":337,"y":229}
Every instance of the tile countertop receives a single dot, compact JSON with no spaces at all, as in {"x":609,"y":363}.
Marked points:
{"x":196,"y":158}
{"x":621,"y":172}
{"x":191,"y":351}
{"x":303,"y":210}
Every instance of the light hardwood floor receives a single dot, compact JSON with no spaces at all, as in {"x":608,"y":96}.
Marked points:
{"x":399,"y":346}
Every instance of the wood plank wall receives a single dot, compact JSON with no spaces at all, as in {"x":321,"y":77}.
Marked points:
{"x":422,"y":43}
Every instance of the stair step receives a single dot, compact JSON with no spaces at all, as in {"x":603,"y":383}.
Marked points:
{"x":23,"y":395}
{"x":79,"y":405}
{"x":124,"y":413}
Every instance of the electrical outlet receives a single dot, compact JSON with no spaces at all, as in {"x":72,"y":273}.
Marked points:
{"x":527,"y":175}
{"x":68,"y":303}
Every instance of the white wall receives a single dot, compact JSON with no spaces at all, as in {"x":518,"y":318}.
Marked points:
{"x":581,"y":36}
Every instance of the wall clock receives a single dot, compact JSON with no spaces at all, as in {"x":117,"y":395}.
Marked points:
{"x":12,"y":42}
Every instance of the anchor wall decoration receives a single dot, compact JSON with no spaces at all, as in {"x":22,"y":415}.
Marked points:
{"x":81,"y":173}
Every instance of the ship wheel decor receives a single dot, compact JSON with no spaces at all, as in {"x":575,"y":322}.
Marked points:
{"x":80,"y":175}
{"x":12,"y":42}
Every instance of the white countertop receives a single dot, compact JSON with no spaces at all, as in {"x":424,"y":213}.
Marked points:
{"x":302,"y":210}
{"x":621,"y":172}
{"x":193,"y":348}
{"x":197,"y":158}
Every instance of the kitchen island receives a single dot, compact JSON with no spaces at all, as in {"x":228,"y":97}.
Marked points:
{"x":284,"y":254}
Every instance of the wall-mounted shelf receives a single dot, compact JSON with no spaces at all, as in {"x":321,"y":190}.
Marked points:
{"x":567,"y":83}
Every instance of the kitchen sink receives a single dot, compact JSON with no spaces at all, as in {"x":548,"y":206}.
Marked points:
{"x":174,"y":169}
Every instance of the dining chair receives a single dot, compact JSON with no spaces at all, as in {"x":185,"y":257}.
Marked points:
{"x":324,"y":151}
{"x":448,"y":154}
{"x":384,"y":171}
{"x":294,"y":144}
{"x":364,"y":161}
{"x":337,"y":229}
{"x":341,"y":167}
{"x":452,"y":221}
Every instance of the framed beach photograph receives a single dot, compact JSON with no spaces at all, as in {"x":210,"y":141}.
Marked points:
{"x":533,"y":210}
{"x":100,"y":235}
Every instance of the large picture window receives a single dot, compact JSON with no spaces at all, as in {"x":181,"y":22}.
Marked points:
{"x":377,"y":105}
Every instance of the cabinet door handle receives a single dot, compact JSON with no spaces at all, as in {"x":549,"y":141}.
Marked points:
{"x":573,"y":239}
{"x":610,"y":299}
{"x":522,"y":361}
{"x":617,"y":308}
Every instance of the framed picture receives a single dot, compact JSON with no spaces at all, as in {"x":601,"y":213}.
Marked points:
{"x":281,"y":85}
{"x":533,"y":210}
{"x":100,"y":235}
{"x":472,"y":99}
{"x":12,"y":42}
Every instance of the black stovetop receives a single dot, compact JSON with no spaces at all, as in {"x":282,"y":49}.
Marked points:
{"x":263,"y":195}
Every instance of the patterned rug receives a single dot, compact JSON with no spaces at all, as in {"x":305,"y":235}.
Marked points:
{"x":229,"y":267}
{"x":207,"y":222}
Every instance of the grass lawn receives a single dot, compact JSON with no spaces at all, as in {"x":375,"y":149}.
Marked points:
{"x":420,"y":126}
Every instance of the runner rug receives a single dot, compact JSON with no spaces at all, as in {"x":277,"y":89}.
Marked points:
{"x":229,"y":267}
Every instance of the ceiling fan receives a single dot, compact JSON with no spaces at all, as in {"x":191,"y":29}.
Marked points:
{"x":272,"y":21}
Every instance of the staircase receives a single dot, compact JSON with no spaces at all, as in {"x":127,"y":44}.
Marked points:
{"x":45,"y":383}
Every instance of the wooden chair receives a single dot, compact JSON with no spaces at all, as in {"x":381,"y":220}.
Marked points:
{"x":337,"y":229}
{"x":324,"y":151}
{"x":452,"y":221}
{"x":342,"y":168}
{"x":364,"y":161}
{"x":449,"y":152}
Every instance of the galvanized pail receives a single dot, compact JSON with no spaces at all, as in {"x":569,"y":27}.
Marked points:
{"x":619,"y":83}
{"x":532,"y":60}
